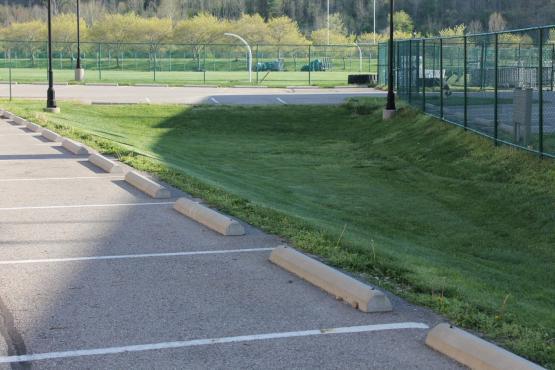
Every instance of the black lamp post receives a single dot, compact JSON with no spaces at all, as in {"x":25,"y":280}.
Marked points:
{"x":79,"y":72}
{"x":50,"y":94}
{"x":390,"y":106}
{"x":78,"y":66}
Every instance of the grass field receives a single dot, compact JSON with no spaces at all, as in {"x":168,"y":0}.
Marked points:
{"x":435,"y":214}
{"x":177,"y":77}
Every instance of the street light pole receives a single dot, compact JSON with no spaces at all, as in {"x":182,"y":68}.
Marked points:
{"x":390,"y":107}
{"x":79,"y":72}
{"x":50,"y":94}
{"x":328,"y":22}
{"x":374,"y":22}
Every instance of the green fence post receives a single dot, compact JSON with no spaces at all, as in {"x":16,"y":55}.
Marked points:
{"x":99,"y":62}
{"x":410,"y":72}
{"x":378,"y":66}
{"x":540,"y":92}
{"x":496,"y":90}
{"x":309,"y":66}
{"x":465,"y":71}
{"x":154,"y":66}
{"x":441,"y":78}
{"x":204,"y":66}
{"x":423,"y":75}
{"x":257,"y":64}
{"x":552,"y":64}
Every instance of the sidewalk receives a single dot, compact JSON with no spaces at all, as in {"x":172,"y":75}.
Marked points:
{"x":96,"y":274}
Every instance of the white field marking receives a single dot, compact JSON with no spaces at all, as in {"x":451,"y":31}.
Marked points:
{"x":63,"y":178}
{"x":214,"y":101}
{"x":212,"y":341}
{"x":130,"y":256}
{"x":87,"y":206}
{"x":281,"y":101}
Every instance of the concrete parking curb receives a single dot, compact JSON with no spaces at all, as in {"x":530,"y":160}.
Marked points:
{"x":104,"y":163}
{"x":101,"y":84}
{"x":33,"y":126}
{"x":74,"y":147}
{"x":474,"y":352}
{"x":147,"y":186}
{"x":209,"y":218}
{"x":50,"y":135}
{"x":18,"y":120}
{"x":359,"y":295}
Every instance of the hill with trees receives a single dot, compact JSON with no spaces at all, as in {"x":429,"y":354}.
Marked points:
{"x":262,"y":21}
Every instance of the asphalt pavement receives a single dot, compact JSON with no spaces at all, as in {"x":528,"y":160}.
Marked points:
{"x":191,"y":95}
{"x":95,"y":274}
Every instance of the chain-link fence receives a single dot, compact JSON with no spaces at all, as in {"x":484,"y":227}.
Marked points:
{"x":500,"y":85}
{"x":179,"y":64}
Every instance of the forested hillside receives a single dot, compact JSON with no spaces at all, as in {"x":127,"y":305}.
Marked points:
{"x":429,"y":15}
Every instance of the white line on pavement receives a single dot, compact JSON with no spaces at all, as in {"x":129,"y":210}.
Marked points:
{"x":87,"y":206}
{"x":129,"y":256}
{"x":281,"y":101}
{"x":214,"y":101}
{"x":212,"y":341}
{"x":27,"y":134}
{"x":63,"y":178}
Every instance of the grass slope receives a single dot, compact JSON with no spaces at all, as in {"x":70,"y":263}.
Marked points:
{"x":437,"y":215}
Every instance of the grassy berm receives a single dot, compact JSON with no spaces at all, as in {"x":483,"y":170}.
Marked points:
{"x":435,"y":214}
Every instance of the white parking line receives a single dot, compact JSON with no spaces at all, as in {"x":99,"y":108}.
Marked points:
{"x":87,"y":206}
{"x":281,"y":101}
{"x":62,"y":178}
{"x":214,"y":101}
{"x":130,"y":256}
{"x":211,"y":341}
{"x":27,"y":134}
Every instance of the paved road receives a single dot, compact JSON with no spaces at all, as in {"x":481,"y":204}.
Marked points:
{"x":191,"y":95}
{"x":96,"y":275}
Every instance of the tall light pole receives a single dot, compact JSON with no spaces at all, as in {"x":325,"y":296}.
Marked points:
{"x":389,"y":110}
{"x":50,"y":94}
{"x":248,"y":49}
{"x":374,"y":22}
{"x":328,"y":22}
{"x":79,"y":72}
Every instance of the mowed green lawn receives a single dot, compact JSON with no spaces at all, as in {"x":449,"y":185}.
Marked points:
{"x":437,"y":215}
{"x":180,"y":78}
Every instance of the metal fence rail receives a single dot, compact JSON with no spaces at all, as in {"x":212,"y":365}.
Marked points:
{"x":499,"y":85}
{"x":185,"y":64}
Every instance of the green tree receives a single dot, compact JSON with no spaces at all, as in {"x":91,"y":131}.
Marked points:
{"x":117,"y":30}
{"x":402,"y":22}
{"x":198,"y":31}
{"x":26,"y":36}
{"x":284,"y":31}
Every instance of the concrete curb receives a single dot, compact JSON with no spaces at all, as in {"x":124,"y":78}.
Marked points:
{"x":147,"y":186}
{"x":208,"y":217}
{"x":101,"y":84}
{"x":18,"y":120}
{"x":359,"y":295}
{"x":151,"y":85}
{"x":106,"y":164}
{"x":474,"y":352}
{"x":50,"y":135}
{"x":74,"y":147}
{"x":33,"y":127}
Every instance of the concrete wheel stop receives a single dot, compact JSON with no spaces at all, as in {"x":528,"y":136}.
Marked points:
{"x":361,"y":296}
